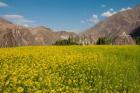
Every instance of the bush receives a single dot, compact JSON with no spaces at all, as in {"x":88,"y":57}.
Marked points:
{"x":104,"y":41}
{"x":137,"y":40}
{"x":69,"y":41}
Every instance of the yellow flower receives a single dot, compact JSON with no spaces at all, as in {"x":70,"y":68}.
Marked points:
{"x":38,"y":91}
{"x":20,"y":90}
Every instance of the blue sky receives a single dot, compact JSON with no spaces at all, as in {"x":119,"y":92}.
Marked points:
{"x":71,"y":15}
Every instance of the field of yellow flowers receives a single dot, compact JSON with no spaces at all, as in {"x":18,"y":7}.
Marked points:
{"x":70,"y":69}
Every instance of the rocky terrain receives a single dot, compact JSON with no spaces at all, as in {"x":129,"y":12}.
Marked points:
{"x":128,"y":21}
{"x":12,"y":35}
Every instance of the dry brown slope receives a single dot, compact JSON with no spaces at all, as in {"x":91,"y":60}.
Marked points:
{"x":115,"y":25}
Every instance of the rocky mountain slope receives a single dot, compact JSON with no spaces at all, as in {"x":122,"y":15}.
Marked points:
{"x":12,"y":35}
{"x":46,"y":36}
{"x":123,"y":22}
{"x":126,"y":21}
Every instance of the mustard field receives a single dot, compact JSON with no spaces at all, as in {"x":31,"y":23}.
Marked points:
{"x":70,"y":69}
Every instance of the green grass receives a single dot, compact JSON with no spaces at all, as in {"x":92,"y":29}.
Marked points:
{"x":71,"y":69}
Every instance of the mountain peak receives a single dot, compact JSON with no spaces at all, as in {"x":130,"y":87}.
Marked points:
{"x":4,"y":21}
{"x":124,"y":22}
{"x":4,"y":24}
{"x":42,"y":28}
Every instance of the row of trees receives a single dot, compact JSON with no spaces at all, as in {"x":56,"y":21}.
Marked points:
{"x":137,"y":39}
{"x":108,"y":41}
{"x":69,"y":41}
{"x":100,"y":41}
{"x":104,"y":41}
{"x":73,"y":41}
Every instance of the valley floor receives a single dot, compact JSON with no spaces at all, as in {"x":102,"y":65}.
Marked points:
{"x":71,"y":69}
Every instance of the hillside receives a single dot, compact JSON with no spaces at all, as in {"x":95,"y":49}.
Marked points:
{"x":123,"y":22}
{"x":12,"y":35}
{"x":126,"y":21}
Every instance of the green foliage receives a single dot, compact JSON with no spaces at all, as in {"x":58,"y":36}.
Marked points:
{"x":137,"y":40}
{"x":104,"y":41}
{"x":69,"y":41}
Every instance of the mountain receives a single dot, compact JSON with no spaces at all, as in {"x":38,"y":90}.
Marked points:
{"x":43,"y":35}
{"x":12,"y":35}
{"x":46,"y":36}
{"x":4,"y":24}
{"x":126,"y":21}
{"x":65,"y":35}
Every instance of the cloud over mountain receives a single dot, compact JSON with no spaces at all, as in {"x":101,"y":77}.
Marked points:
{"x":17,"y":19}
{"x":2,"y":4}
{"x":93,"y":20}
{"x":109,"y":13}
{"x":124,"y":9}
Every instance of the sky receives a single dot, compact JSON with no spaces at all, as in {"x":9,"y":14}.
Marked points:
{"x":68,"y":15}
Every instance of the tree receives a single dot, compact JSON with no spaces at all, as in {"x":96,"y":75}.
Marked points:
{"x":137,"y":40}
{"x":69,"y":41}
{"x":104,"y":41}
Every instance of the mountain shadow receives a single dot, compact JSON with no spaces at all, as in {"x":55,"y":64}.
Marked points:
{"x":136,"y":32}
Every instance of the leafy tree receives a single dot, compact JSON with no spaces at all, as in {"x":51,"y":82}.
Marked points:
{"x":69,"y":41}
{"x":137,"y":40}
{"x":104,"y":41}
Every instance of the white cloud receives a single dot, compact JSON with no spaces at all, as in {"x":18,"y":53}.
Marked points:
{"x":18,"y":19}
{"x":109,"y":13}
{"x":82,"y":21}
{"x":103,"y":5}
{"x":124,"y":9}
{"x":111,"y":9}
{"x":94,"y":19}
{"x":2,"y":4}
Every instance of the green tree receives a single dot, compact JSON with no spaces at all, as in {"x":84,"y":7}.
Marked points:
{"x":69,"y":41}
{"x":137,"y":40}
{"x":104,"y":41}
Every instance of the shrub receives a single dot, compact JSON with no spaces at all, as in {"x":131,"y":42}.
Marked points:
{"x":104,"y":41}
